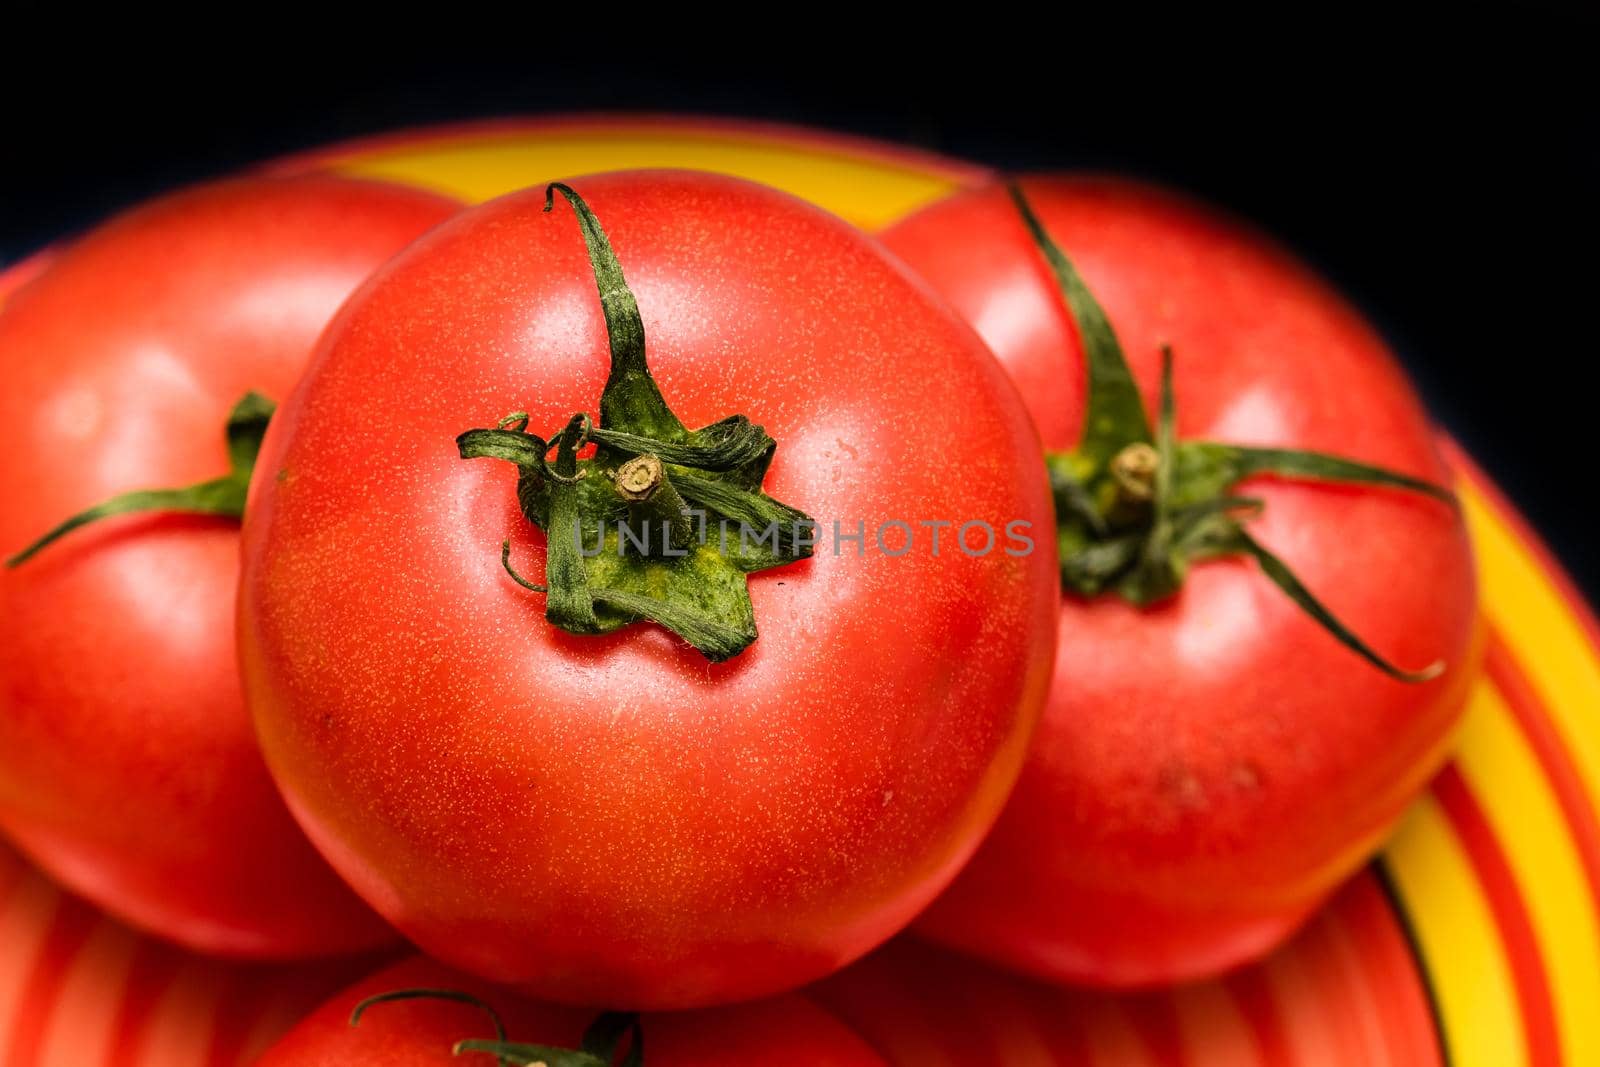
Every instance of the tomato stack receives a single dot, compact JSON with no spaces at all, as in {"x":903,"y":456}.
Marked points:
{"x":647,"y":594}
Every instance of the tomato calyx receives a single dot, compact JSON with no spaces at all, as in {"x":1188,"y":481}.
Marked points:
{"x":246,"y":426}
{"x":610,"y":1033}
{"x":1135,"y":507}
{"x":661,"y":522}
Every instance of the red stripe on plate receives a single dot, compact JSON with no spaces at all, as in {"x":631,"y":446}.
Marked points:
{"x":1391,"y":972}
{"x":69,"y":929}
{"x":1510,"y":916}
{"x":237,"y":1010}
{"x":1253,"y":993}
{"x":1156,"y":1017}
{"x":149,"y":976}
{"x":1528,"y":707}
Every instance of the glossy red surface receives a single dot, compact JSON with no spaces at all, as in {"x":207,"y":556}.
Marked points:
{"x":1209,"y":769}
{"x":613,"y":819}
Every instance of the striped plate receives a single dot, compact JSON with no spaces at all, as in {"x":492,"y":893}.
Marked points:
{"x":1474,"y":939}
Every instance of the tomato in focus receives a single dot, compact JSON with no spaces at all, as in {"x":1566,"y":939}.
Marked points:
{"x":614,"y":817}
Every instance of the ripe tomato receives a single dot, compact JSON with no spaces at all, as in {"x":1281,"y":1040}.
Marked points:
{"x":128,"y":766}
{"x":787,"y":1031}
{"x":1209,"y":766}
{"x":612,"y":817}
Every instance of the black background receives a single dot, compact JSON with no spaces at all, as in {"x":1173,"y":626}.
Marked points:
{"x":1447,"y":181}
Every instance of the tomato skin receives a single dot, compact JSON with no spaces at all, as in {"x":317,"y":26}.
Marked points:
{"x":614,"y":820}
{"x":128,"y":765}
{"x":1206,"y":771}
{"x":788,"y":1031}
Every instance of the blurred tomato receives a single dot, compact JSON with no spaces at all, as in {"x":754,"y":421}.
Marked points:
{"x":783,"y":1032}
{"x":128,"y":768}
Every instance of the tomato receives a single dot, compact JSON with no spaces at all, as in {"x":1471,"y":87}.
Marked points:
{"x":1211,"y":761}
{"x":128,"y":765}
{"x":541,"y":791}
{"x":787,"y":1031}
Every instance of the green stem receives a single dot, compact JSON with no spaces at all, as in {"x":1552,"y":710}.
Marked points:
{"x":505,"y":561}
{"x":1162,"y":569}
{"x":1133,"y":523}
{"x":648,"y":467}
{"x":655,"y":507}
{"x":568,"y":602}
{"x":631,"y":395}
{"x":455,"y":995}
{"x":1114,"y":416}
{"x":1285,"y":579}
{"x":1234,"y":463}
{"x":611,"y":1033}
{"x":734,"y":442}
{"x":225,"y":496}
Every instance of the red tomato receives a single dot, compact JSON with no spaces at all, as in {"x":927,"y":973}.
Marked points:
{"x":785,"y":1031}
{"x":614,"y":819}
{"x":1207,"y":768}
{"x":128,"y":767}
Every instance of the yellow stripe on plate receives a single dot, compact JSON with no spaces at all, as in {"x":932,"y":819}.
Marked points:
{"x":1460,"y":943}
{"x":1544,"y":635}
{"x":1504,"y":776}
{"x":870,"y":192}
